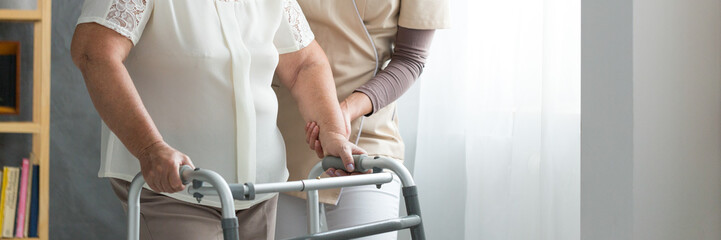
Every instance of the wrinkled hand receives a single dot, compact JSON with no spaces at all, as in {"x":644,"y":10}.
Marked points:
{"x":160,"y":165}
{"x":337,"y":145}
{"x":312,"y":131}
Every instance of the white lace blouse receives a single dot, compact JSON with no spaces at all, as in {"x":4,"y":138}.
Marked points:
{"x":203,"y":69}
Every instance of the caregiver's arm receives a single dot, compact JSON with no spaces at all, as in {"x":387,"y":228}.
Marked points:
{"x":308,"y":75}
{"x":99,"y":54}
{"x":406,"y":65}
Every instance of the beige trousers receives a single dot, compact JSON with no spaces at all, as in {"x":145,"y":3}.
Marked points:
{"x":165,"y":218}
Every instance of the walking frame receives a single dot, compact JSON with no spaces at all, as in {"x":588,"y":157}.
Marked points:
{"x":244,"y":192}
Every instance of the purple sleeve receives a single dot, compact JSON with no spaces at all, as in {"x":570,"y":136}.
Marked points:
{"x":406,"y":65}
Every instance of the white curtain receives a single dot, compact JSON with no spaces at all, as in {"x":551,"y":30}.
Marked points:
{"x":497,"y":154}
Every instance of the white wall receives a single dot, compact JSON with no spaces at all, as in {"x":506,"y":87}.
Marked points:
{"x":606,"y":120}
{"x":677,"y":119}
{"x":651,"y":119}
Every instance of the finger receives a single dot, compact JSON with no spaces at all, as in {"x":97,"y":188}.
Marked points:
{"x":362,"y":173}
{"x":330,"y":172}
{"x":158,"y":178}
{"x":339,"y":172}
{"x":314,"y":135}
{"x":308,"y":130}
{"x":309,"y":133}
{"x":187,"y":161}
{"x":177,"y":181}
{"x":319,"y":149}
{"x":160,"y":184}
{"x":174,"y":181}
{"x":165,"y":181}
{"x":347,"y":157}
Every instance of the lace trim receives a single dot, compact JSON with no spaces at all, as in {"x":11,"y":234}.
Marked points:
{"x":301,"y":29}
{"x":127,"y":14}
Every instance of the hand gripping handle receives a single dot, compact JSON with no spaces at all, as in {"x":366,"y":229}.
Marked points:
{"x":337,"y":163}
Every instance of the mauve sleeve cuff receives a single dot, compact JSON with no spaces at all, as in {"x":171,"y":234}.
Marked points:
{"x":406,"y":65}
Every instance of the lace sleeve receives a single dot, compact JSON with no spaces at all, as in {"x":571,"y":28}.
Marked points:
{"x":297,"y":21}
{"x":294,"y":32}
{"x":126,"y":17}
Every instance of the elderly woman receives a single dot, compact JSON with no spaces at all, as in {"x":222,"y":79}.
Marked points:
{"x":174,"y":79}
{"x":377,"y":49}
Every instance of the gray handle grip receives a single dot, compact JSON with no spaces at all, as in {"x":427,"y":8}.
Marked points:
{"x":337,"y":163}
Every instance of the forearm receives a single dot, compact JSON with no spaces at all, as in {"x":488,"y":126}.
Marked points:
{"x":314,"y":91}
{"x":307,"y":74}
{"x":406,"y":65}
{"x":119,"y":105}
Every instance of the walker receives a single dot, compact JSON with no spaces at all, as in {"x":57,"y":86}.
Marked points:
{"x":228,"y":192}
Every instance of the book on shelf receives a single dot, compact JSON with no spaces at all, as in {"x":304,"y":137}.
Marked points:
{"x":34,"y":202}
{"x":11,"y":176}
{"x":2,"y":196}
{"x":22,"y":201}
{"x":19,"y":200}
{"x":28,"y":201}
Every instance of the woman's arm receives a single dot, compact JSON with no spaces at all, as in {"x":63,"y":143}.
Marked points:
{"x":308,"y":76}
{"x":99,"y":54}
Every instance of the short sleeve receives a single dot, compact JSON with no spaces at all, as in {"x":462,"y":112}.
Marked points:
{"x":425,"y":14}
{"x":294,"y":32}
{"x":127,"y":17}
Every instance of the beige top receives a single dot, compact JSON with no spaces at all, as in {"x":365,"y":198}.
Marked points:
{"x":344,"y":29}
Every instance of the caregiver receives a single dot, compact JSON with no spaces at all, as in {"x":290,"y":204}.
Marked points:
{"x":359,"y":37}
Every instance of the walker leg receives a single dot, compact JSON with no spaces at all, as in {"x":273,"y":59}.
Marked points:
{"x":134,"y":207}
{"x":313,"y":212}
{"x":313,"y":202}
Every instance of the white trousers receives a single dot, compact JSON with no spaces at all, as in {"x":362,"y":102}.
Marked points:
{"x":357,"y":205}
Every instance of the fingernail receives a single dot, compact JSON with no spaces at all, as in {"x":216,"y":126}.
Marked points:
{"x":349,"y":167}
{"x":329,"y":172}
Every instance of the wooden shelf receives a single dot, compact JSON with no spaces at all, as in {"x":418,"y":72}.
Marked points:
{"x":19,"y":127}
{"x":20,"y":15}
{"x":40,"y":126}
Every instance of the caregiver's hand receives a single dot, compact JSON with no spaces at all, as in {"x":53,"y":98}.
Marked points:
{"x":160,"y":165}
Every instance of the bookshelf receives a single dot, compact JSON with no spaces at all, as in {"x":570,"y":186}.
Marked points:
{"x":39,"y":127}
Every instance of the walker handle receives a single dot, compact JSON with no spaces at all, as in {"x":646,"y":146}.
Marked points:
{"x":337,"y":163}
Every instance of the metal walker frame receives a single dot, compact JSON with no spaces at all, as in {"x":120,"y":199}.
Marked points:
{"x":229,"y":192}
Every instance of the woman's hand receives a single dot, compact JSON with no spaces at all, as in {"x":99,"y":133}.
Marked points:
{"x":336,"y":144}
{"x":160,"y":165}
{"x":312,"y":132}
{"x":353,"y":107}
{"x":339,"y":146}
